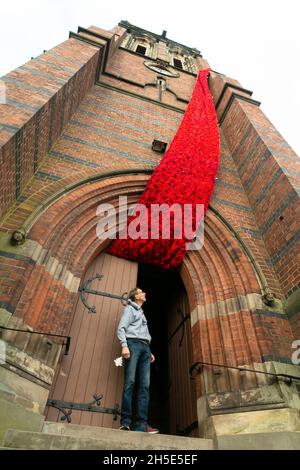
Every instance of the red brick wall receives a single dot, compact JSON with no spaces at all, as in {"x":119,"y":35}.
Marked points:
{"x":41,"y":96}
{"x":269,"y":172}
{"x":110,"y":131}
{"x":87,"y":130}
{"x":269,"y":169}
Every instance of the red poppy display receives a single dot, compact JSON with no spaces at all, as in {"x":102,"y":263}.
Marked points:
{"x":185,"y":175}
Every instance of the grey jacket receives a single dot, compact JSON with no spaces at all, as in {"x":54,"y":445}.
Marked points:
{"x":133,"y":324}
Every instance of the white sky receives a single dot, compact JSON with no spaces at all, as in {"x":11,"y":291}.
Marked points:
{"x":256,"y":42}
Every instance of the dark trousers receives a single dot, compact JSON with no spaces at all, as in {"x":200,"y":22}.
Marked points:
{"x":139,"y":362}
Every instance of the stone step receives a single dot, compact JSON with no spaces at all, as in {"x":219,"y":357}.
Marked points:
{"x":115,"y":435}
{"x":278,"y":440}
{"x":9,"y":448}
{"x":109,"y":439}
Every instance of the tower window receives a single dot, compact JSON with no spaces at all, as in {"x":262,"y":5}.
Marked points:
{"x":141,"y":50}
{"x":177,"y":63}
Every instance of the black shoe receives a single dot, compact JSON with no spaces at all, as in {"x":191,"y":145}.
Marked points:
{"x":124,"y":428}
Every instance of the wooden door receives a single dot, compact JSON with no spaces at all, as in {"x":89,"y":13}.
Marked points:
{"x":89,"y":368}
{"x":182,"y":393}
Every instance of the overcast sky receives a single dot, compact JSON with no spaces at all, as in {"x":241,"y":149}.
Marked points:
{"x":256,"y":42}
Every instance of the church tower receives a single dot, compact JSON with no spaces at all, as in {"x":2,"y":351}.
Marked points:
{"x":84,"y":124}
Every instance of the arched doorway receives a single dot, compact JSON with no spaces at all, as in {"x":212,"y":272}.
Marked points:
{"x":224,"y":291}
{"x":173,"y":395}
{"x":89,"y":367}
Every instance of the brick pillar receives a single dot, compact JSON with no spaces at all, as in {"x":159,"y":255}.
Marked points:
{"x":39,"y":99}
{"x":266,"y":166}
{"x":269,"y":170}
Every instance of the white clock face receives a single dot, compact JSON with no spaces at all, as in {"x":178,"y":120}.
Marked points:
{"x":163,"y":70}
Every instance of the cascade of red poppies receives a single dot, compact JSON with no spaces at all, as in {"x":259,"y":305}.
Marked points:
{"x":185,"y":175}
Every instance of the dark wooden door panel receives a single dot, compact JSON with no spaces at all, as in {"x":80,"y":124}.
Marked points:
{"x":89,"y":367}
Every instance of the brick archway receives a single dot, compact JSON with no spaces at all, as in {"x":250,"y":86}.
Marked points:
{"x":229,"y":322}
{"x":220,"y":280}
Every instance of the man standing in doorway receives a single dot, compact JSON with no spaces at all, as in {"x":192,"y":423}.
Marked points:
{"x":135,"y":341}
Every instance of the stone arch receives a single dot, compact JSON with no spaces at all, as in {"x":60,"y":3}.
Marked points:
{"x":224,"y":292}
{"x":220,"y":280}
{"x":63,"y":241}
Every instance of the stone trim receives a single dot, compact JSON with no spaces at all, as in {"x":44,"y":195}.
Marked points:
{"x":123,"y":79}
{"x":95,"y":44}
{"x":141,"y":97}
{"x":233,"y":306}
{"x":5,"y":316}
{"x":230,"y":101}
{"x":273,"y":357}
{"x":130,"y":27}
{"x":227,"y":307}
{"x":291,"y":291}
{"x":292,"y":302}
{"x":268,"y":313}
{"x":231,"y":85}
{"x":90,"y":179}
{"x":52,"y":265}
{"x":253,"y":422}
{"x":152,"y":59}
{"x":7,"y":307}
{"x":33,"y":253}
{"x":131,"y":82}
{"x":26,"y":366}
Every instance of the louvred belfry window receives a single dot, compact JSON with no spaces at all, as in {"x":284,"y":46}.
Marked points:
{"x":185,"y":175}
{"x":141,"y":50}
{"x":177,"y":63}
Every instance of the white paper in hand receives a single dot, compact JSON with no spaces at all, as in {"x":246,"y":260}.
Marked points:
{"x":118,"y":361}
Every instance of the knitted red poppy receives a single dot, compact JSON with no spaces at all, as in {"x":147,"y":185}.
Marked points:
{"x":185,"y":175}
